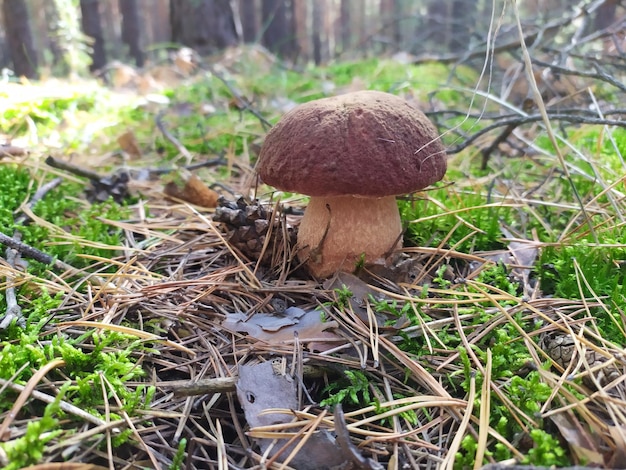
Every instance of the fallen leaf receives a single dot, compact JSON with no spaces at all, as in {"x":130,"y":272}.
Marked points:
{"x":261,"y":387}
{"x":128,"y":143}
{"x":193,"y":191}
{"x":347,"y":447}
{"x":580,"y":441}
{"x":277,"y":328}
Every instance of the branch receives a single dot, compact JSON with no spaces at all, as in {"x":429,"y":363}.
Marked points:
{"x":535,"y":118}
{"x":173,"y":140}
{"x":34,"y":253}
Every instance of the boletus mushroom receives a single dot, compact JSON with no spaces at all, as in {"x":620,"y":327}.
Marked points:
{"x":353,"y":154}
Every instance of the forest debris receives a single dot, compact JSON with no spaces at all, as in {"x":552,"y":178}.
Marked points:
{"x":361,"y":295}
{"x":358,"y":461}
{"x":565,"y":349}
{"x":160,"y":124}
{"x":580,"y":441}
{"x":186,"y":60}
{"x":12,"y":151}
{"x":14,"y":259}
{"x":45,"y":258}
{"x":248,"y":224}
{"x":128,"y":143}
{"x":114,"y":185}
{"x":282,"y":327}
{"x":193,"y":190}
{"x":186,"y":388}
{"x":262,"y":387}
{"x":13,"y":311}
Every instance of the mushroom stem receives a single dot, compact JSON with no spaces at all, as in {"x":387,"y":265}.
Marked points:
{"x":336,"y":232}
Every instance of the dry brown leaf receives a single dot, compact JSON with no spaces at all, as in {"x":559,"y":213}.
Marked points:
{"x":579,"y":440}
{"x":618,"y":433}
{"x":261,"y":387}
{"x":193,"y":191}
{"x":128,"y":143}
{"x":275,"y":328}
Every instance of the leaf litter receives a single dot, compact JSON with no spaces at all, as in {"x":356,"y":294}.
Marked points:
{"x":225,"y":298}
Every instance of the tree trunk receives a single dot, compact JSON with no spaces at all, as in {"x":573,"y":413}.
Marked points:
{"x":300,"y":29}
{"x":436,"y":22}
{"x":276,"y":32}
{"x":55,"y":38}
{"x":317,"y":27}
{"x":19,"y":38}
{"x":460,"y":21}
{"x":131,"y":31}
{"x":92,"y":27}
{"x":204,"y":25}
{"x":344,"y":24}
{"x":249,"y":20}
{"x":390,"y":24}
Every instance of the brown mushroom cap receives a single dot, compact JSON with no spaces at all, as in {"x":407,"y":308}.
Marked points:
{"x":366,"y":143}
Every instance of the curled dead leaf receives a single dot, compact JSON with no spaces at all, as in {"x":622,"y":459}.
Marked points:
{"x":193,"y":191}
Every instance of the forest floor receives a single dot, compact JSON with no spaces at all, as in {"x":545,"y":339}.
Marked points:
{"x":155,"y":306}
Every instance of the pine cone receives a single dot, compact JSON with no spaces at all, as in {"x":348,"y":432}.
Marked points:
{"x":247,"y":224}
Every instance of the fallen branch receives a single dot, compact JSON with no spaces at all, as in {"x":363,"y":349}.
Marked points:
{"x":242,"y":102}
{"x":37,"y":255}
{"x":13,"y":311}
{"x":518,"y":121}
{"x":169,"y":137}
{"x":63,"y":405}
{"x":185,"y":388}
{"x":13,"y":258}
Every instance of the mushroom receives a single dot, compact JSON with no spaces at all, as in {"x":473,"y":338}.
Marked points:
{"x":352,"y":154}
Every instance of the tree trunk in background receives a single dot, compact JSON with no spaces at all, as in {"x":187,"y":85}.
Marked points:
{"x":461,"y":19}
{"x":248,"y":12}
{"x":344,"y":25}
{"x":19,"y":38}
{"x":317,"y":29}
{"x":204,"y":25}
{"x":131,"y":31}
{"x":92,"y":27}
{"x":276,"y":32}
{"x":390,"y":24}
{"x":155,"y":24}
{"x":53,"y":23}
{"x":300,"y":30}
{"x":433,"y":29}
{"x":358,"y":23}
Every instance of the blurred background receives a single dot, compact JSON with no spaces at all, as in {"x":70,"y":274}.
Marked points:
{"x":59,"y":37}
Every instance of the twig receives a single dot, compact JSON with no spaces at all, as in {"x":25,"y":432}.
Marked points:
{"x":37,"y":255}
{"x":494,"y":145}
{"x":518,"y":121}
{"x":63,"y":405}
{"x":213,"y":161}
{"x":27,"y":250}
{"x":185,"y":388}
{"x":13,"y":258}
{"x":548,"y":124}
{"x":71,"y":168}
{"x":13,"y":312}
{"x":23,"y":218}
{"x":173,"y":140}
{"x":241,"y":101}
{"x":598,"y":75}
